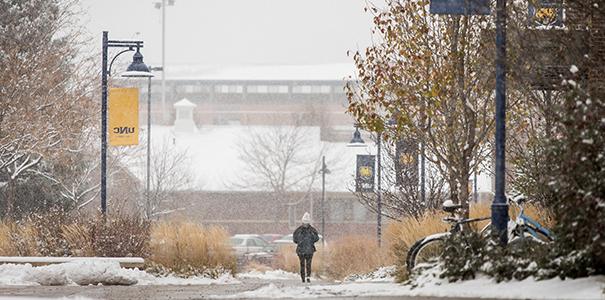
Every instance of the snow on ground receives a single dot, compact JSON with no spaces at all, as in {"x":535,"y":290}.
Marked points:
{"x":585,"y":288}
{"x":270,"y":275}
{"x":382,"y":274}
{"x":87,"y":272}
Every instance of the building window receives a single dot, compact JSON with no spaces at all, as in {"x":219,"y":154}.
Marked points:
{"x":278,"y":89}
{"x":264,"y":89}
{"x":257,"y":89}
{"x":312,"y":89}
{"x":229,"y":89}
{"x":301,"y":89}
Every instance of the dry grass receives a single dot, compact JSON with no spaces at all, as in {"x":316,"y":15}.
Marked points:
{"x":287,"y":260}
{"x":57,"y":234}
{"x":187,"y":247}
{"x":355,"y":254}
{"x":255,"y":266}
{"x":181,"y":247}
{"x":78,"y":239}
{"x":19,"y":239}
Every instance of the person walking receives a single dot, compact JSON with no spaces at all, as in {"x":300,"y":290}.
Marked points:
{"x":305,"y":237}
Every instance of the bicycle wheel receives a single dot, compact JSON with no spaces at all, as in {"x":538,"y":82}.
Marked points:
{"x":426,"y":250}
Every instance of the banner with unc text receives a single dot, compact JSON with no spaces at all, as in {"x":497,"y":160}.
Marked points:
{"x":364,"y":175}
{"x":123,"y":110}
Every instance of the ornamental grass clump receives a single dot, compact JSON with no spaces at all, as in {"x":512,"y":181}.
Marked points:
{"x":355,"y":254}
{"x":188,"y":249}
{"x":60,"y":234}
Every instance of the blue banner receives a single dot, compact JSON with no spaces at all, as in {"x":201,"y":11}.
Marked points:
{"x":460,"y":7}
{"x":406,"y":162}
{"x":364,"y":177}
{"x":545,"y":13}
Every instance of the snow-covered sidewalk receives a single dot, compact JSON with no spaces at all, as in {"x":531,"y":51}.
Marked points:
{"x":585,"y":288}
{"x":270,"y":275}
{"x":279,"y":284}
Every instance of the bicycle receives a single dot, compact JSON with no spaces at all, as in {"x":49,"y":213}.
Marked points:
{"x":430,"y":247}
{"x":523,"y":228}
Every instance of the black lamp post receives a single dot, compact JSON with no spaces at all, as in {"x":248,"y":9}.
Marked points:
{"x":324,"y":170}
{"x":499,"y":206}
{"x":357,"y":141}
{"x":136,"y":69}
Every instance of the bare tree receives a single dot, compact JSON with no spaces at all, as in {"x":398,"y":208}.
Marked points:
{"x":170,"y":172}
{"x":280,"y":160}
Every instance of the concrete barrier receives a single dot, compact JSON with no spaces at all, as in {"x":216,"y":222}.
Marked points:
{"x":125,"y":262}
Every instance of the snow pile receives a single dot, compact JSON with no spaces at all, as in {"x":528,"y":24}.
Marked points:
{"x":87,"y":272}
{"x":77,"y":272}
{"x":382,"y":274}
{"x":270,"y":275}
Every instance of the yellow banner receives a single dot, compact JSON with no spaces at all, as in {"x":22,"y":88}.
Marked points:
{"x":123,"y":116}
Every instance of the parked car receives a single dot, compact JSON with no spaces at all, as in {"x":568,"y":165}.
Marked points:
{"x":245,"y":244}
{"x":288,"y":239}
{"x":270,"y":237}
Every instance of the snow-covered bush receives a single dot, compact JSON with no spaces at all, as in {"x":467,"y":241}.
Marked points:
{"x":577,"y":180}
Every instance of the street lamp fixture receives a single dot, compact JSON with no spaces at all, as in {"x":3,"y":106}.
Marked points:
{"x":137,"y":69}
{"x":357,"y":141}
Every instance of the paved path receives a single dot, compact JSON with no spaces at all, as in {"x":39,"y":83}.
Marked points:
{"x":165,"y":292}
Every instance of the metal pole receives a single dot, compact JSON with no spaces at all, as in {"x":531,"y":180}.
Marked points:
{"x":164,"y":114}
{"x":500,"y":206}
{"x":148,"y":146}
{"x":379,"y":192}
{"x":104,"y":126}
{"x":323,"y":199}
{"x":475,"y":188}
{"x":422,"y":175}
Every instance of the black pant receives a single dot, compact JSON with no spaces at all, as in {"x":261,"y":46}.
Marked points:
{"x":305,"y":264}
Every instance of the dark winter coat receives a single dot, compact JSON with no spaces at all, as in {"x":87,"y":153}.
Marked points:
{"x":305,"y":237}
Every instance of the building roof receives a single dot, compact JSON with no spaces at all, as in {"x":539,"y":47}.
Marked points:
{"x":184,"y":103}
{"x":324,"y":72}
{"x":215,"y":163}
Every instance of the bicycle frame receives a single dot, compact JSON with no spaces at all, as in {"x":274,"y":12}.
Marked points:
{"x":530,"y":225}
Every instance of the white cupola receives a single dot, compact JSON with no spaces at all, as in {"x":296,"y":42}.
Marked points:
{"x":184,"y":116}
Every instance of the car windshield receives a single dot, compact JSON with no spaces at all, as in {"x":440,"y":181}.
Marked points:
{"x":236,"y":241}
{"x":260,"y":242}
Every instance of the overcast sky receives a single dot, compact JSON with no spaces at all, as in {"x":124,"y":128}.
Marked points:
{"x":237,"y":32}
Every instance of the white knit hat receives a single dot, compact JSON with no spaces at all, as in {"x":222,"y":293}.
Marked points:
{"x":306,"y":219}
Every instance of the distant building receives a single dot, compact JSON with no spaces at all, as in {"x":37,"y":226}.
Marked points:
{"x":261,"y":95}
